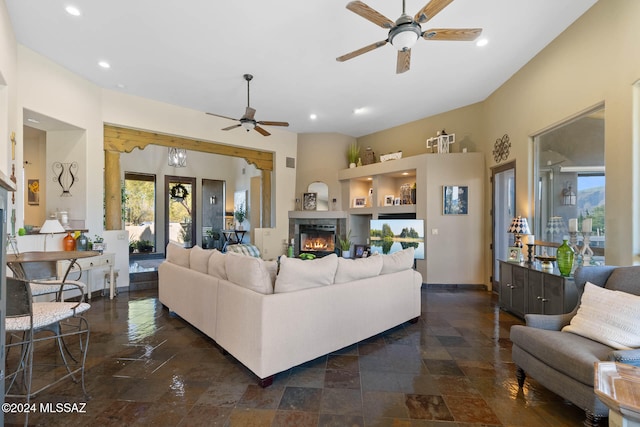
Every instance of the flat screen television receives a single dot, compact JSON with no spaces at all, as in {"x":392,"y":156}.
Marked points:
{"x":387,"y":236}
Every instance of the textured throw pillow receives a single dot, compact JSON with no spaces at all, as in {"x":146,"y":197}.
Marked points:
{"x":199,"y":259}
{"x":248,"y":272}
{"x":609,"y":317}
{"x":216,"y":266}
{"x":398,"y":261}
{"x":354,"y":269}
{"x":178,"y":255}
{"x":296,"y":274}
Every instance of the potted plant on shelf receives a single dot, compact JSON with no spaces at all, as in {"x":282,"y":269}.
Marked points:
{"x":145,"y":246}
{"x":133,"y":245}
{"x":353,"y":152}
{"x":240,"y":214}
{"x":345,"y":245}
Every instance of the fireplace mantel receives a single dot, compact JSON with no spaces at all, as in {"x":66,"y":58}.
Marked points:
{"x":317,"y":215}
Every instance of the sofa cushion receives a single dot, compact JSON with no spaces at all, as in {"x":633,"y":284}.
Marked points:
{"x":624,"y":279}
{"x":178,"y":255}
{"x":248,"y":272}
{"x":354,"y":269}
{"x":199,"y":259}
{"x":609,"y":317}
{"x":297,"y":274}
{"x":216,"y":267}
{"x":397,"y":261}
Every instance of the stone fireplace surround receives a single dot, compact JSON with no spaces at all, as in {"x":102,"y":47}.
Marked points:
{"x":297,"y":218}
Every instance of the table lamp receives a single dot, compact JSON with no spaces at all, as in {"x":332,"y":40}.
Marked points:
{"x":556,"y":226}
{"x":518,"y":227}
{"x":51,"y":226}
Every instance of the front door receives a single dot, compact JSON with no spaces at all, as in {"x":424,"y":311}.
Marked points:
{"x":179,"y":210}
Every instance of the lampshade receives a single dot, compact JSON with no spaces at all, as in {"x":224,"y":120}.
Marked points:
{"x":556,"y":225}
{"x":51,"y":226}
{"x":519,"y":226}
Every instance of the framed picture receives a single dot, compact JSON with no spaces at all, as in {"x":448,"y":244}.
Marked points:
{"x":396,"y":201}
{"x":309,"y":201}
{"x":360,"y":251}
{"x":33,"y":195}
{"x":388,"y":200}
{"x":359,"y":202}
{"x":515,"y":254}
{"x":455,"y":200}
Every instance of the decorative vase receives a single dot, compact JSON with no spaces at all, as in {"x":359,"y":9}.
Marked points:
{"x":564,"y":257}
{"x":352,"y":165}
{"x":69,"y":243}
{"x":346,"y":254}
{"x":82,"y":243}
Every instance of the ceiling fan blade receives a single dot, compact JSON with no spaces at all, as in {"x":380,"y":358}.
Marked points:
{"x":249,"y":113}
{"x":370,"y":14}
{"x":262,"y":131}
{"x":232,"y":127}
{"x":404,"y":61}
{"x":218,"y":115}
{"x":361,"y":51}
{"x":267,"y":123}
{"x":430,"y":10}
{"x":455,"y":34}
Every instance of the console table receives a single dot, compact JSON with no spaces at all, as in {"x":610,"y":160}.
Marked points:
{"x":102,"y":261}
{"x":527,"y":288}
{"x":618,"y":386}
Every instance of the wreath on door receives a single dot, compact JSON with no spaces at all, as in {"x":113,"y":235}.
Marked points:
{"x":178,"y":192}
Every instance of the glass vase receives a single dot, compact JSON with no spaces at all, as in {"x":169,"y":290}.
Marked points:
{"x":564,"y":258}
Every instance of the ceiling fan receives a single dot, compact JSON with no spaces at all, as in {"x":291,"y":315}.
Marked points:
{"x":248,"y":120}
{"x":405,"y":31}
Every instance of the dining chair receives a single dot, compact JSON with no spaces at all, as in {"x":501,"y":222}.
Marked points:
{"x":30,"y":325}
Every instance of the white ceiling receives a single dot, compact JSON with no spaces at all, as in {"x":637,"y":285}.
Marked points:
{"x":194,"y":54}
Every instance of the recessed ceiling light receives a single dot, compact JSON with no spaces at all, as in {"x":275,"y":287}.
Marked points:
{"x":104,"y":64}
{"x":369,"y":179}
{"x":358,"y":110}
{"x":32,"y":120}
{"x":313,"y":116}
{"x":73,"y":11}
{"x":482,"y":42}
{"x":405,"y":173}
{"x":121,"y":86}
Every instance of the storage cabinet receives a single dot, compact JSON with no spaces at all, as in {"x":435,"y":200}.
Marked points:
{"x":529,"y":289}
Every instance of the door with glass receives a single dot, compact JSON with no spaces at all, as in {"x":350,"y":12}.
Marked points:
{"x":504,"y":197}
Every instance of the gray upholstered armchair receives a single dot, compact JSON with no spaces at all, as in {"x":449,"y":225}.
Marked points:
{"x":563,"y":362}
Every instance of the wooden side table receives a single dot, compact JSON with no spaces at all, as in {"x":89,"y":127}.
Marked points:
{"x":618,"y":386}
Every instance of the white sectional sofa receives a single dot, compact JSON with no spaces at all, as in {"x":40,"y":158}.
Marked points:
{"x":313,"y":307}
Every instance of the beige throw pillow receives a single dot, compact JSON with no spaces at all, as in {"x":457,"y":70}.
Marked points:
{"x":297,"y":274}
{"x":248,"y":272}
{"x":216,"y":267}
{"x":354,"y":269}
{"x":178,"y":255}
{"x":609,"y":317}
{"x":397,"y":261}
{"x":199,"y":259}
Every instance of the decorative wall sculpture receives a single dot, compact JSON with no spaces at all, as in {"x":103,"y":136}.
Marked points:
{"x":65,"y":174}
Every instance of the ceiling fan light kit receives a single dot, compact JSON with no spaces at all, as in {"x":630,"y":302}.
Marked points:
{"x":406,"y":30}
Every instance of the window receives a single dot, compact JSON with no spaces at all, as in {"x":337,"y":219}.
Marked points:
{"x":570,"y":178}
{"x":139,"y":209}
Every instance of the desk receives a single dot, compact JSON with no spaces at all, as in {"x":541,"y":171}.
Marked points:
{"x":618,"y":386}
{"x":231,"y":237}
{"x":96,"y":261}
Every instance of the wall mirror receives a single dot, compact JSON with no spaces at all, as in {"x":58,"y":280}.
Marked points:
{"x":322,"y":198}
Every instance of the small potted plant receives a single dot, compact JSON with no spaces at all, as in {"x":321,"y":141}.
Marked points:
{"x":99,"y":244}
{"x":145,"y":246}
{"x":345,"y":245}
{"x":240,"y":214}
{"x":133,"y":245}
{"x":353,"y":153}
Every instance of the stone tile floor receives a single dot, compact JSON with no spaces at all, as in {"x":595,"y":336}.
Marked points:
{"x":451,"y":369}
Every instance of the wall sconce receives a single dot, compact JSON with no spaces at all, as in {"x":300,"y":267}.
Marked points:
{"x":177,"y":157}
{"x":568,"y":196}
{"x":212,"y":200}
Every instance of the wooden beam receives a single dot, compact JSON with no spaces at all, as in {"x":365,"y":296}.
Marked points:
{"x":124,"y":140}
{"x":113,"y":197}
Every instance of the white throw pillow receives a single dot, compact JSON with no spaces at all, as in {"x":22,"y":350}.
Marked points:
{"x":216,"y":266}
{"x":178,"y":255}
{"x":199,"y":259}
{"x":296,"y":274}
{"x":248,"y":272}
{"x":354,"y":269}
{"x":609,"y":317}
{"x":397,"y":261}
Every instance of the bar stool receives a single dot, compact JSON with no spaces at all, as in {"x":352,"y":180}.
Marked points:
{"x":107,"y":284}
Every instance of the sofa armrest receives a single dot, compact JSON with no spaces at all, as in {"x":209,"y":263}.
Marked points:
{"x":630,"y":357}
{"x":551,"y":322}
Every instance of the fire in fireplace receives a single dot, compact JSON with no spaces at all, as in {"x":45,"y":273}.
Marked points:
{"x":317,"y":239}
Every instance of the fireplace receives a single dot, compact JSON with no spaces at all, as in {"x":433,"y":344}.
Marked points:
{"x":317,"y":239}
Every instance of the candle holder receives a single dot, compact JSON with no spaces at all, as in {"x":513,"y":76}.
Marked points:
{"x":586,"y":252}
{"x":573,"y":242}
{"x":530,"y":249}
